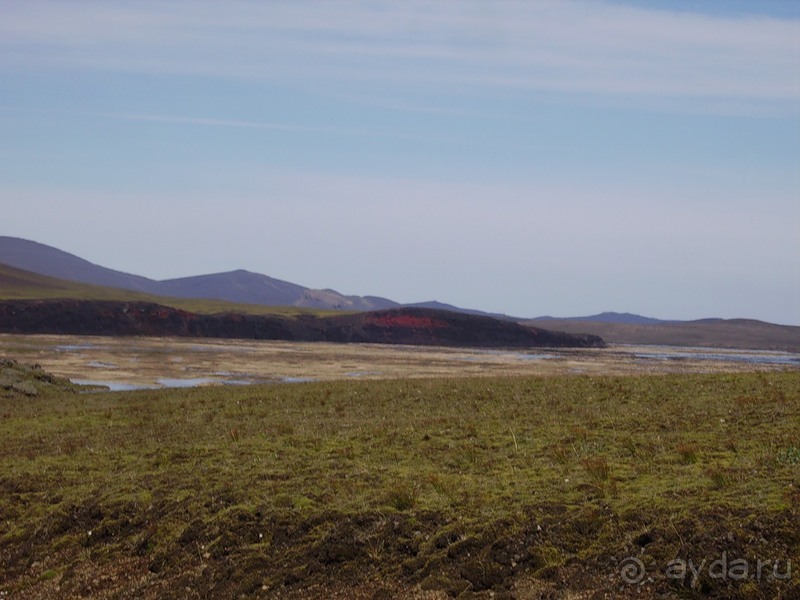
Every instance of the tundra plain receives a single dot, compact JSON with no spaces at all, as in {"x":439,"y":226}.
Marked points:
{"x":399,"y":472}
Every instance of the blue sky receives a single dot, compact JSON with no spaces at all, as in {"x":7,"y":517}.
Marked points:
{"x":530,"y":158}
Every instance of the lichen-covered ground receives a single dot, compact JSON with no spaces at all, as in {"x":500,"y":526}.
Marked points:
{"x":565,"y":486}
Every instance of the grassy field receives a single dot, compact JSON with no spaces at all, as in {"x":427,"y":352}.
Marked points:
{"x":523,"y":487}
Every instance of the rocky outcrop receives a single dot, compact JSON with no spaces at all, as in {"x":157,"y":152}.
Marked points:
{"x":418,"y":326}
{"x":18,"y":379}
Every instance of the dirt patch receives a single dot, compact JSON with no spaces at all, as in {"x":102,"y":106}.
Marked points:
{"x":110,"y":551}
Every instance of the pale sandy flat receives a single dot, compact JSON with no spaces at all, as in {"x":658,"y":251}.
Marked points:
{"x":190,"y":361}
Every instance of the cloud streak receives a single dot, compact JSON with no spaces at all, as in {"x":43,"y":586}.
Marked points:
{"x":569,"y":47}
{"x":176,"y":119}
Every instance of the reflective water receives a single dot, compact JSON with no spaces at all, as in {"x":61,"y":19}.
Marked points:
{"x":227,"y":364}
{"x":114,"y":386}
{"x":171,"y":382}
{"x":756,"y":357}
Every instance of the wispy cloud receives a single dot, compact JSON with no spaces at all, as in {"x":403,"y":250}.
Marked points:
{"x":176,"y":119}
{"x":571,"y":47}
{"x":237,"y":123}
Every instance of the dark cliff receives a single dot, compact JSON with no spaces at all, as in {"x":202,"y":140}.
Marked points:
{"x":417,"y":326}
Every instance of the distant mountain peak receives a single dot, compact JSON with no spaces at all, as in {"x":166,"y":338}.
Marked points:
{"x":238,"y":285}
{"x":611,"y":317}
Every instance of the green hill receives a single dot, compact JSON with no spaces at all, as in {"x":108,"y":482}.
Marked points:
{"x":17,"y":284}
{"x":239,"y":286}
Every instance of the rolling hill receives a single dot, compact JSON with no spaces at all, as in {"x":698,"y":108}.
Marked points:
{"x":18,"y":284}
{"x":38,"y":304}
{"x":46,"y":260}
{"x":238,"y":286}
{"x":40,"y":271}
{"x":611,"y":317}
{"x":414,"y":326}
{"x":719,"y":333}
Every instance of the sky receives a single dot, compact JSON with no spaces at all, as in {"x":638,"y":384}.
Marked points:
{"x":531,"y":158}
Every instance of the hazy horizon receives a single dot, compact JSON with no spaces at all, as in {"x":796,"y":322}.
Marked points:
{"x":558,"y":158}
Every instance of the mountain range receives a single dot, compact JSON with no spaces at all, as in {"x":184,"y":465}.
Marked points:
{"x":253,"y":290}
{"x":234,"y":286}
{"x":239,"y":286}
